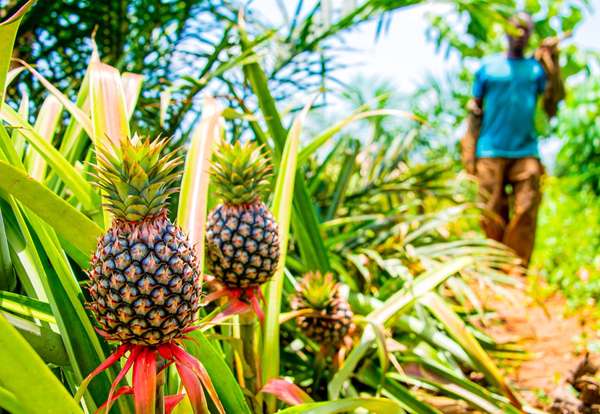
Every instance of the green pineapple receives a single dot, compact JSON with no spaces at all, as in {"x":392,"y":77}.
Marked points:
{"x":242,"y":235}
{"x":331,"y":319}
{"x":145,"y":284}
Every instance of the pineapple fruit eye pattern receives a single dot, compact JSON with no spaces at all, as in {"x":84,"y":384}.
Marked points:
{"x":242,"y":235}
{"x":145,"y":283}
{"x":331,"y":319}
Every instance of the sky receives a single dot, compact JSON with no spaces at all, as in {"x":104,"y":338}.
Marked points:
{"x":405,"y":57}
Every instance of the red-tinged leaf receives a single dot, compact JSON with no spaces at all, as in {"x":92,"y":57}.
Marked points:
{"x":144,"y":382}
{"x":235,"y":307}
{"x":134,"y":353}
{"x":132,"y":85}
{"x":257,"y":309}
{"x":108,"y":105}
{"x":77,"y":113}
{"x":171,"y":402}
{"x":193,"y":389}
{"x":190,"y":362}
{"x":286,"y":391}
{"x":108,"y":362}
{"x":165,"y":352}
{"x":193,"y":197}
{"x":121,"y":391}
{"x":211,"y":297}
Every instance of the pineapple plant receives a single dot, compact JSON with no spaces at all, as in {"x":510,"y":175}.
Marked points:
{"x":242,"y":235}
{"x":145,"y":283}
{"x":330,"y":321}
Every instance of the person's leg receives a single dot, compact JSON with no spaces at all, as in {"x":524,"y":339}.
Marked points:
{"x":524,"y":174}
{"x":491,"y":178}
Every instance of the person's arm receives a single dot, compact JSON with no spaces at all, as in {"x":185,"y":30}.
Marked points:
{"x":469,"y":140}
{"x":474,"y":117}
{"x":547,"y":56}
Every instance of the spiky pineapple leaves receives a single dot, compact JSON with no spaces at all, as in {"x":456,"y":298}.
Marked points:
{"x":458,"y":330}
{"x":394,"y":305}
{"x":241,"y":173}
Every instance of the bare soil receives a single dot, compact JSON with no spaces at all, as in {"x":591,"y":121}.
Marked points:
{"x":555,"y":336}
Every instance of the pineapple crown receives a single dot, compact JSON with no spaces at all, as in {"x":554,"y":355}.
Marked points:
{"x":318,"y":290}
{"x":136,"y":179}
{"x":241,"y":173}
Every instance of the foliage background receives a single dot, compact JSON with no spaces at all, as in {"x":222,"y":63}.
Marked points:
{"x":384,"y":204}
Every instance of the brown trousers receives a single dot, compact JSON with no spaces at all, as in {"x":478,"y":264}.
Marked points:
{"x":516,"y":230}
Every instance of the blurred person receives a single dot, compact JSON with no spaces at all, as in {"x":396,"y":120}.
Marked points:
{"x":500,"y":147}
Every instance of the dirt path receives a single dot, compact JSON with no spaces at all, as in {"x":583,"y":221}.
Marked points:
{"x":556,"y":340}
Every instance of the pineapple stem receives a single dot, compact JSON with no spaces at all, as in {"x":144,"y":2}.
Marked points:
{"x":160,"y":392}
{"x":251,"y":360}
{"x":320,"y":360}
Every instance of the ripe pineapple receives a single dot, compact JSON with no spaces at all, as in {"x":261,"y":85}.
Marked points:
{"x":242,"y":235}
{"x":333,"y":321}
{"x":145,"y":283}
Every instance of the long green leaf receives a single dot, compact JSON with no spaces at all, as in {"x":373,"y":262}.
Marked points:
{"x":305,"y":223}
{"x":324,"y":137}
{"x":282,"y":210}
{"x":230,"y":393}
{"x":8,"y":34}
{"x":27,"y":377}
{"x":459,"y":332}
{"x":393,"y":306}
{"x":26,"y":306}
{"x":82,"y":189}
{"x":9,"y":402}
{"x":47,"y":343}
{"x":373,"y":405}
{"x":7,"y":276}
{"x":372,"y":376}
{"x":73,"y":109}
{"x":66,"y":220}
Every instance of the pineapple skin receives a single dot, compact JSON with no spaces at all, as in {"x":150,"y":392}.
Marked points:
{"x":145,"y":286}
{"x":332,"y":324}
{"x":242,"y":244}
{"x":330,"y":320}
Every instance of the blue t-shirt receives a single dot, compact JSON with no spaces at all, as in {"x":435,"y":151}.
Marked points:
{"x":509,"y":88}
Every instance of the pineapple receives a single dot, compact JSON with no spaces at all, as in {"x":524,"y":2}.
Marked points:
{"x":242,"y":235}
{"x":145,"y":284}
{"x":331,"y":320}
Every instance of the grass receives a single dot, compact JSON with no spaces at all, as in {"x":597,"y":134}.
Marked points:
{"x":567,"y":250}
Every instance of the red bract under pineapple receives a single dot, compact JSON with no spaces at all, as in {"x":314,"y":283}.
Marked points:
{"x":145,"y":283}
